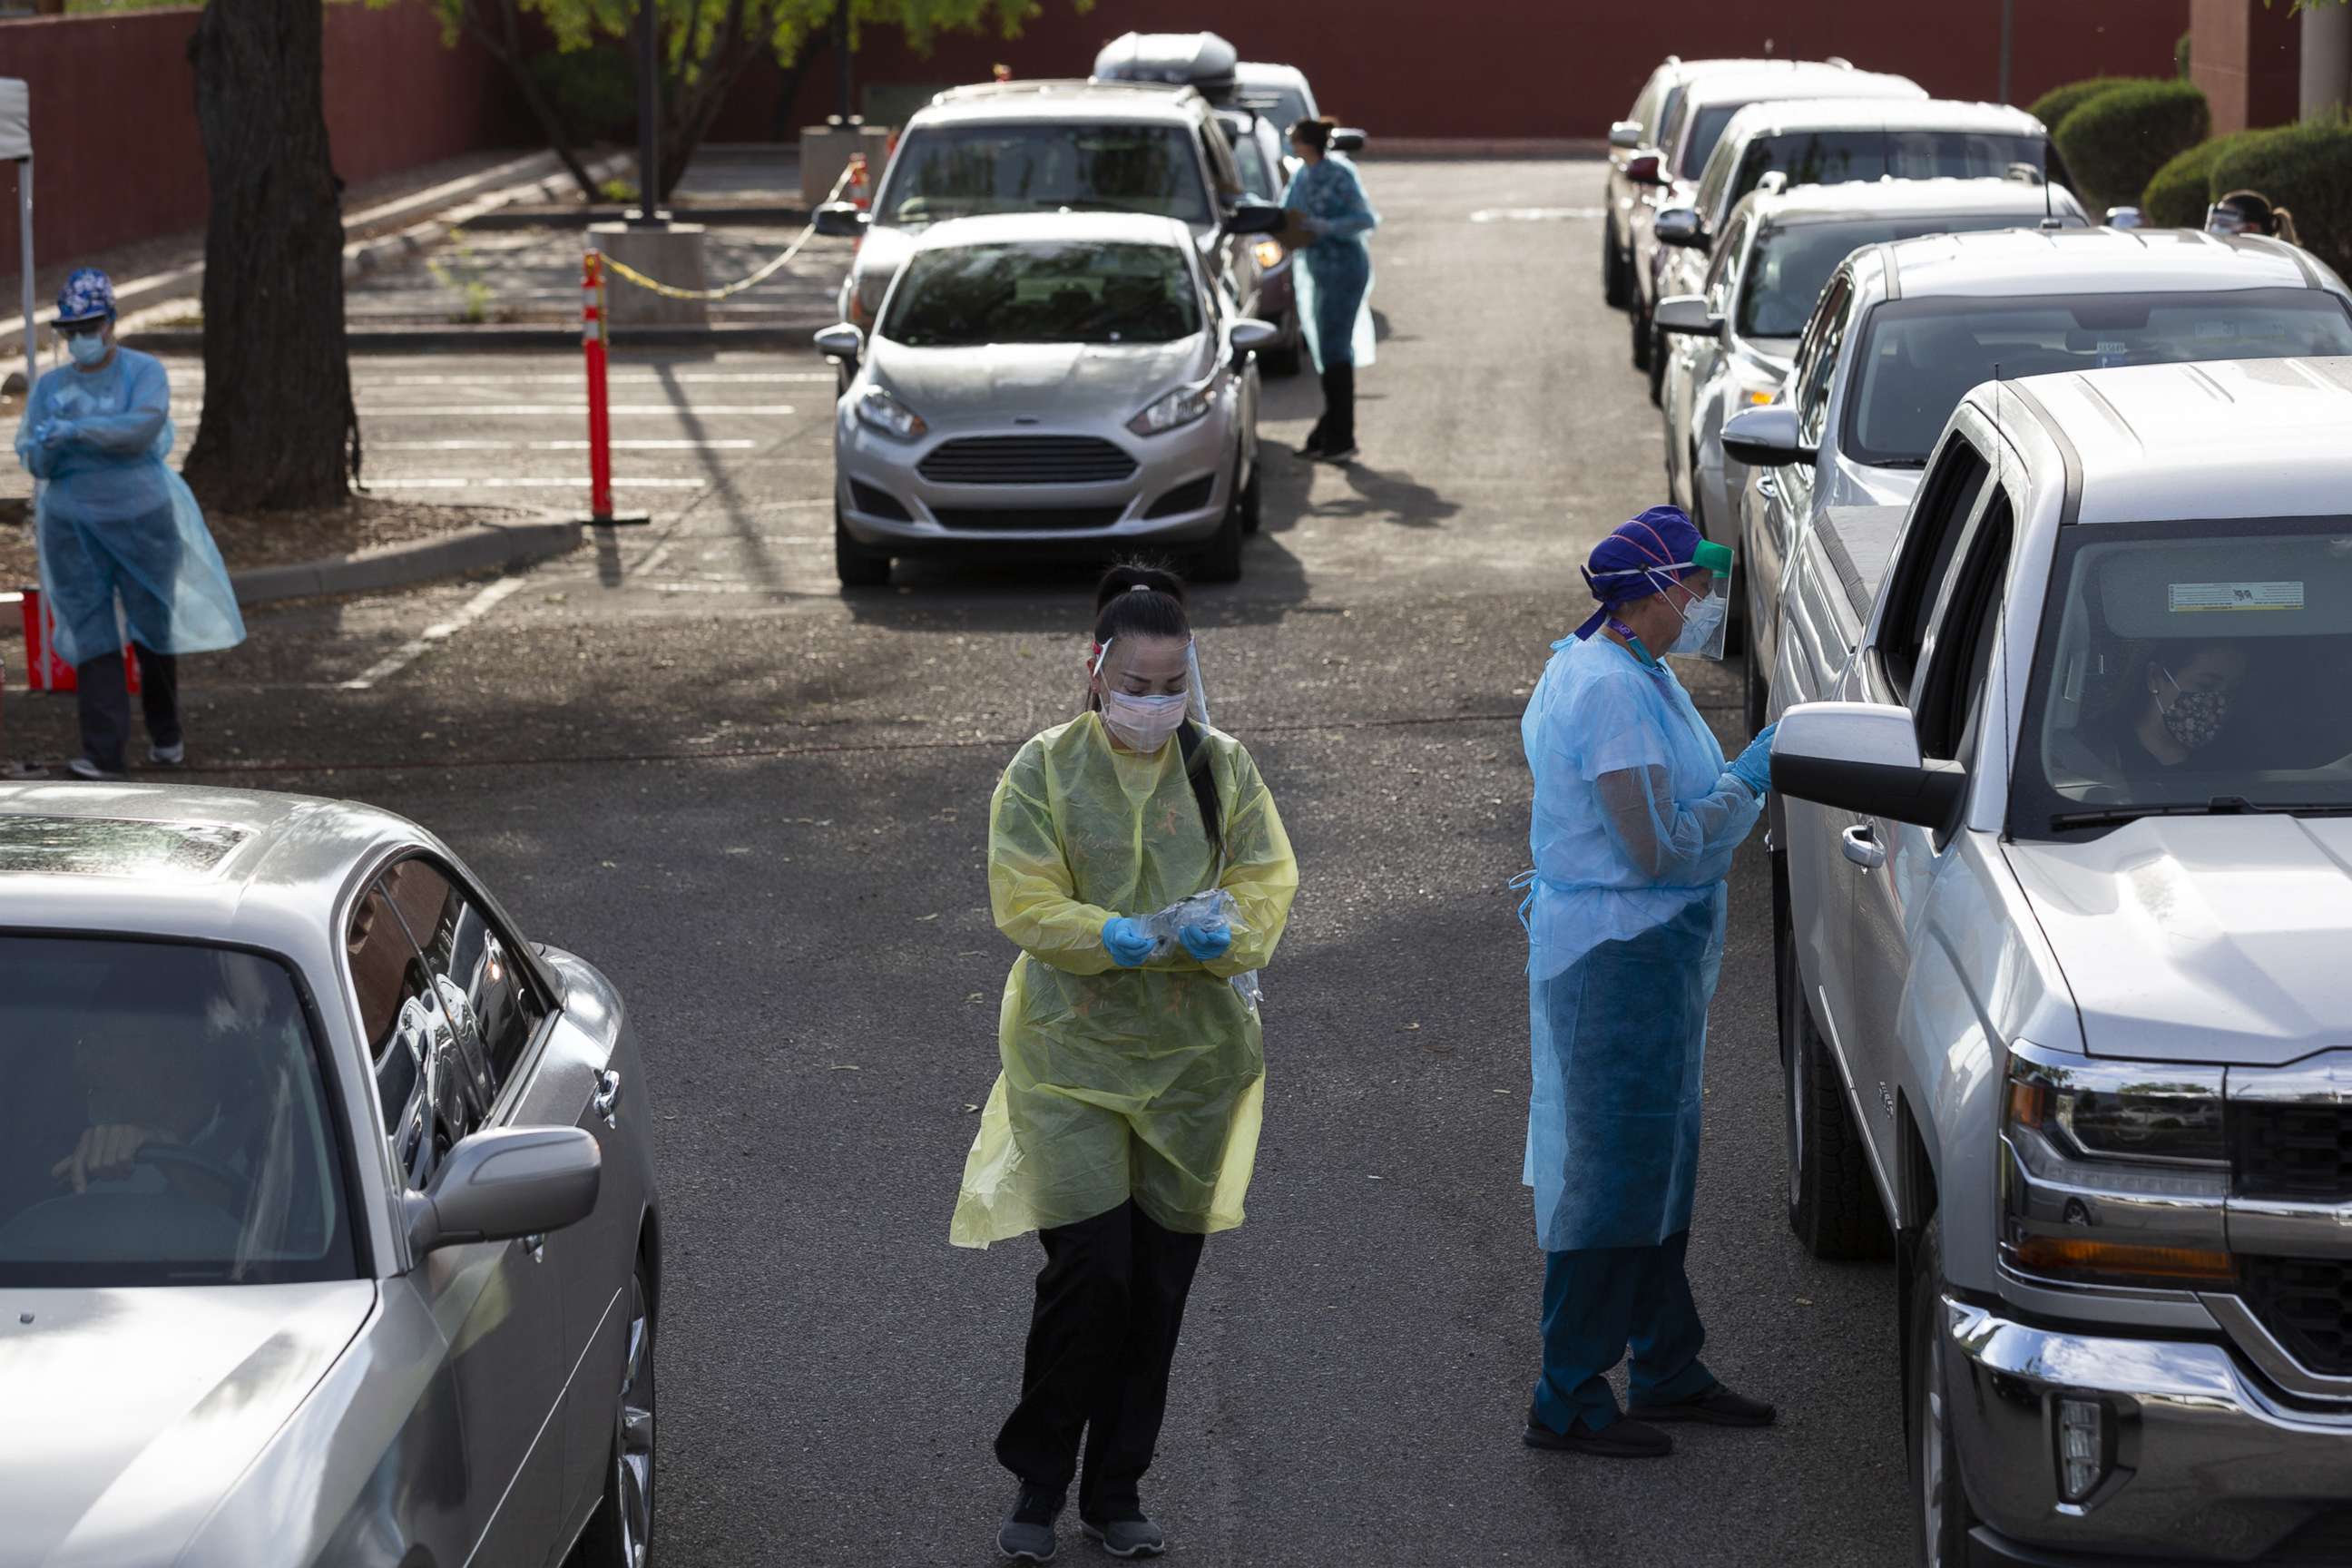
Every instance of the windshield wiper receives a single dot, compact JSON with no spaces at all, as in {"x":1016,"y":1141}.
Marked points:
{"x":2219,"y":805}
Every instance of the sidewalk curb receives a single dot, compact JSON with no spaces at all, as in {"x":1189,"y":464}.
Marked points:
{"x":479,"y":549}
{"x":740,"y":214}
{"x":510,"y":339}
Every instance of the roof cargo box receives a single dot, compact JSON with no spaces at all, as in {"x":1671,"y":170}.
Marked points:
{"x":1202,"y":60}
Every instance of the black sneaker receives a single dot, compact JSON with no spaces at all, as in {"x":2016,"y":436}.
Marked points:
{"x":1623,"y":1438}
{"x":1027,"y":1533}
{"x":1312,"y":448}
{"x":1130,"y":1535}
{"x":1346,"y":454}
{"x":1718,"y":1406}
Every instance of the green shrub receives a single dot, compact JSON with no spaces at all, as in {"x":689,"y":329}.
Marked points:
{"x":590,"y":90}
{"x":2116,"y":143}
{"x":2180,"y":56}
{"x":2052,"y":106}
{"x":2307,"y":169}
{"x":2177,"y":194}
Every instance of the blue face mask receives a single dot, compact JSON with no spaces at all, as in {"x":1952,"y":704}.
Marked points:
{"x":88,"y":349}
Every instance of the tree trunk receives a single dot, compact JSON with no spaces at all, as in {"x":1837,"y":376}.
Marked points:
{"x":279,"y":429}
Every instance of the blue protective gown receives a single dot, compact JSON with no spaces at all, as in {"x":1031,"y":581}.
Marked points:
{"x":1635,"y":826}
{"x":115,"y":520}
{"x":1333,"y":276}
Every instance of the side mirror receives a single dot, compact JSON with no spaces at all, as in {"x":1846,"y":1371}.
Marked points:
{"x":1765,"y":437}
{"x":841,"y":220}
{"x":1625,"y":135}
{"x":1680,"y":226}
{"x":1253,"y":217}
{"x":1348,"y":139}
{"x":1864,"y":757}
{"x":506,"y":1183}
{"x":1643,"y":169}
{"x":842,"y":342}
{"x":1249,"y":335}
{"x":1688,"y":315}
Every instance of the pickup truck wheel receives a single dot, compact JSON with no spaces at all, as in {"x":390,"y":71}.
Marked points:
{"x":1756,"y":691}
{"x":1654,"y":362}
{"x":1641,"y":337}
{"x":1939,"y":1500}
{"x":1833,"y":1203}
{"x":1616,"y":272}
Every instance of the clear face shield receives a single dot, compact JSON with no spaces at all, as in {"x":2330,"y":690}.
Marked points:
{"x":1148,"y":688}
{"x":1704,"y":601}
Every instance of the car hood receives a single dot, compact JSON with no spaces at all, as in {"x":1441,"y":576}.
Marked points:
{"x":1045,"y":382}
{"x":1860,"y":484}
{"x":131,"y":1412}
{"x":2214,"y":939}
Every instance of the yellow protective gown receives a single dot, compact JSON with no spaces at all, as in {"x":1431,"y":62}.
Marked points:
{"x":1122,"y":1083}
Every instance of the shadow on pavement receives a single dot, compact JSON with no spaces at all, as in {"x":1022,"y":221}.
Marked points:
{"x":1392,"y":497}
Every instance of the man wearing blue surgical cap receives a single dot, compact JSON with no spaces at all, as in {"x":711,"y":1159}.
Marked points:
{"x":1636,"y":817}
{"x":122,"y":544}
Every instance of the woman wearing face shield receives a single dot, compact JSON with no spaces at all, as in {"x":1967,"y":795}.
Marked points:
{"x":116,"y":524}
{"x":1124,"y":1125}
{"x":1636,"y":817}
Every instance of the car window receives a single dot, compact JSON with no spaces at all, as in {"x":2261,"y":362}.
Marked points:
{"x":1259,"y":178}
{"x":1644,"y":112}
{"x":1958,"y":648}
{"x":1833,"y":318}
{"x":1838,"y":157}
{"x":1043,"y":292}
{"x":1705,"y":131}
{"x":2182,"y":663}
{"x":1778,"y":287}
{"x":432,"y":1081}
{"x":1224,"y":172}
{"x":485,"y":993}
{"x":1724,"y":266}
{"x":167,"y":1121}
{"x":961,"y":170}
{"x":1941,"y":513}
{"x":1923,"y":356}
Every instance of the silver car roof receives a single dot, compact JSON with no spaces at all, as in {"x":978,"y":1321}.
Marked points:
{"x":1780,"y":116}
{"x":1052,"y":99}
{"x":2023,"y":261}
{"x":2217,"y":439}
{"x":1806,"y":80}
{"x":1056,"y":228}
{"x":1926,"y":198}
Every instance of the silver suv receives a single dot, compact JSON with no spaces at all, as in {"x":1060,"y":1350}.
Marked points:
{"x":1903,"y":331}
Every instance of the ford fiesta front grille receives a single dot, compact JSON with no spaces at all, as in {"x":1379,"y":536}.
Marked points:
{"x":1028,"y":460}
{"x":1027,"y":519}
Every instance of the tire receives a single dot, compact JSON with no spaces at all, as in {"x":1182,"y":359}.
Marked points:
{"x":1654,"y":362}
{"x":1641,"y":320}
{"x":1253,"y":500}
{"x":1939,"y":1502}
{"x":1757,"y":691}
{"x":1220,"y":560}
{"x":621,"y":1533}
{"x":1832,"y":1200}
{"x":1284,"y":358}
{"x":857,"y":565}
{"x":1616,"y":271}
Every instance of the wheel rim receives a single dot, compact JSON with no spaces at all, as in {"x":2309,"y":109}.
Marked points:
{"x":633,"y":1438}
{"x":1931,"y":1451}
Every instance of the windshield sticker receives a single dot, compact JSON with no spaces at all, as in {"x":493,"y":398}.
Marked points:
{"x":2190,"y":598}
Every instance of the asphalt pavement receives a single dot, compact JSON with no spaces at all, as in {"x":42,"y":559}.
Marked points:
{"x":761,"y":806}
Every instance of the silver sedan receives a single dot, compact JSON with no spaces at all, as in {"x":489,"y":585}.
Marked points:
{"x":327,"y":1223}
{"x":1048,"y":383}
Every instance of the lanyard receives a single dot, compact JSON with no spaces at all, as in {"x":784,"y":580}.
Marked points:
{"x":1633,"y":644}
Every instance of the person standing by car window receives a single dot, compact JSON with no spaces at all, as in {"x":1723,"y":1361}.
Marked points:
{"x":1635,"y":821}
{"x":115,"y":521}
{"x":1124,"y":1126}
{"x":2251,"y":212}
{"x":1334,"y":280}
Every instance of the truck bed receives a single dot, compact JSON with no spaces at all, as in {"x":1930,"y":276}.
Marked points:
{"x":1857,"y":542}
{"x":1826,"y":599}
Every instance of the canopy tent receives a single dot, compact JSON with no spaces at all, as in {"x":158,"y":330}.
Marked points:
{"x":16,"y":147}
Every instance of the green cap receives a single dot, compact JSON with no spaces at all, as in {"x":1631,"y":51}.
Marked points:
{"x":1715,"y":558}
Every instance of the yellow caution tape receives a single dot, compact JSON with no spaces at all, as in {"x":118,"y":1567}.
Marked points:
{"x":671,"y":291}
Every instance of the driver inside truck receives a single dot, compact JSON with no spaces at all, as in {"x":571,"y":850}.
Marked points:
{"x":2174,"y":705}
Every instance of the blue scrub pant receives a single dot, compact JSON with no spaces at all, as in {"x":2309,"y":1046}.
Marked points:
{"x":1596,"y":1301}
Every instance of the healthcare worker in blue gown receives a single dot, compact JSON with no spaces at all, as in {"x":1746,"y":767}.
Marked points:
{"x":1636,"y":817}
{"x":115,"y":523}
{"x":1333,"y":281}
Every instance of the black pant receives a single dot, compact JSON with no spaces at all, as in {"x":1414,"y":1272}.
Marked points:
{"x":104,"y":697}
{"x":1110,"y":1302}
{"x":1338,"y":425}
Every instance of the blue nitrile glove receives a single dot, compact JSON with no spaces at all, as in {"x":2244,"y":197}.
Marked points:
{"x":1207,"y":942}
{"x":1126,"y":941}
{"x":1753,"y":767}
{"x":57,"y":433}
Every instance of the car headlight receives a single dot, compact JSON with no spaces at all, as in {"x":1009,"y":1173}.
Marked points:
{"x":1179,"y":407}
{"x":2114,"y":1172}
{"x":1268,"y":251}
{"x":888,"y":414}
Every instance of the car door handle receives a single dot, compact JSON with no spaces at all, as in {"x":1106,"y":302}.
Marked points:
{"x":1767,"y":486}
{"x":1862,"y":847}
{"x":607,"y":1103}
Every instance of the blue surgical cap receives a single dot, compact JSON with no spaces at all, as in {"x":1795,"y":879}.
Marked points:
{"x":1637,"y":558}
{"x":87,"y":295}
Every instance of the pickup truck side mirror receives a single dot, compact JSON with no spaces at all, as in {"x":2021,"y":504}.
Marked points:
{"x":1641,"y":169}
{"x":1680,"y":226}
{"x":841,"y":220}
{"x":1625,"y":135}
{"x":1348,"y":139}
{"x":506,"y":1183}
{"x":1686,"y":314}
{"x":842,"y":342}
{"x":1765,"y":437}
{"x":1253,"y":217}
{"x":1864,"y":757}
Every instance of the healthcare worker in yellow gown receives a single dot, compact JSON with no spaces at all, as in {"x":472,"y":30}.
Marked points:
{"x":1125,"y":1122}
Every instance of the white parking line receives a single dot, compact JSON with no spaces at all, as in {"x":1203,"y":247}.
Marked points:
{"x":631,"y":445}
{"x":407,"y":653}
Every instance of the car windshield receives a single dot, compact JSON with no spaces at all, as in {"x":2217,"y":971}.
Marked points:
{"x":1787,"y":270}
{"x":1919,"y":357}
{"x":966,"y":170}
{"x":165,"y":1123}
{"x":2184,"y":667}
{"x":1706,"y":130}
{"x":1045,"y":291}
{"x":1839,"y":157}
{"x":1285,"y":106}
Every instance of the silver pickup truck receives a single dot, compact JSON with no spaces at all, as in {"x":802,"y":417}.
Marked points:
{"x":2062,"y":860}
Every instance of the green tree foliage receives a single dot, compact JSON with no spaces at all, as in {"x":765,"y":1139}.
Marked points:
{"x":705,"y":45}
{"x":2052,"y":106}
{"x":2116,"y":143}
{"x":2179,"y":194}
